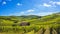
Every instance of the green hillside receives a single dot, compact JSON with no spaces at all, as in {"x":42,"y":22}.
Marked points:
{"x":38,"y":24}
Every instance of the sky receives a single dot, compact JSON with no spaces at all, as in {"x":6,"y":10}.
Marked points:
{"x":29,"y":7}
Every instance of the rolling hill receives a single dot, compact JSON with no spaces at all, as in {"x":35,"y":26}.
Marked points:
{"x":49,"y":24}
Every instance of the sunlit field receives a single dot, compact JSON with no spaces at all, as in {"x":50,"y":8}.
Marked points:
{"x":31,"y":24}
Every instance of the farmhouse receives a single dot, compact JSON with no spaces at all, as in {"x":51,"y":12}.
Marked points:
{"x":24,"y":23}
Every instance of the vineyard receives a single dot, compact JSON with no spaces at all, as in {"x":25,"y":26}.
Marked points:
{"x":31,"y":24}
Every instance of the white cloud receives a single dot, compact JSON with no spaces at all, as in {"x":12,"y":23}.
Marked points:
{"x":3,"y":2}
{"x":46,"y":5}
{"x":30,"y":10}
{"x":58,"y":3}
{"x":43,"y":13}
{"x":52,"y":2}
{"x":18,"y":4}
{"x":26,"y":12}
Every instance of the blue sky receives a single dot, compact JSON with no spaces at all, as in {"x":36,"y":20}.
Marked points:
{"x":29,"y":7}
